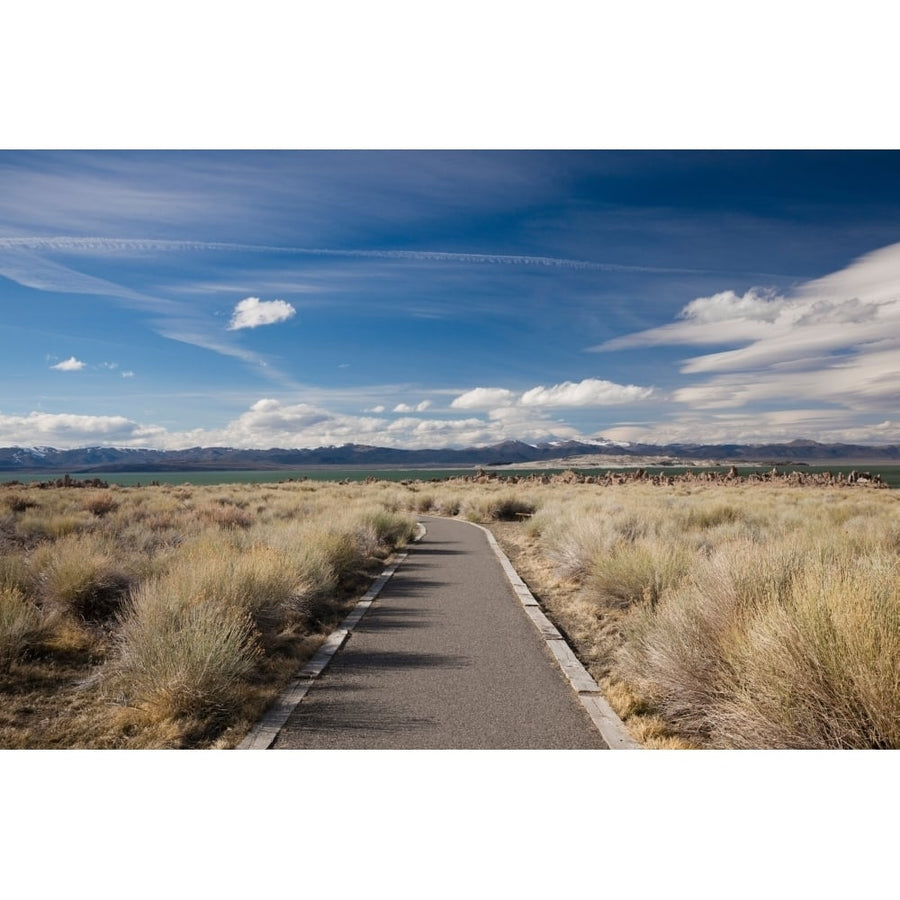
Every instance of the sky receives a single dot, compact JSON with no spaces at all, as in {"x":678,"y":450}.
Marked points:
{"x":422,"y":299}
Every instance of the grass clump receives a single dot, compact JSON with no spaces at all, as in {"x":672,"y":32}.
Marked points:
{"x":380,"y":531}
{"x":181,"y":657}
{"x":775,"y":647}
{"x":79,"y":576}
{"x":638,"y":572}
{"x":101,"y":504}
{"x":18,"y":501}
{"x":227,"y":516}
{"x":701,"y":517}
{"x":21,"y":625}
{"x":504,"y":507}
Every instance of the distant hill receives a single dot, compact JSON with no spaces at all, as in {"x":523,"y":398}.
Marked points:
{"x":110,"y":459}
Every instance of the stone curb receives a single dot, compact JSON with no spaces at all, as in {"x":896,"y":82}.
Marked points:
{"x":612,"y":729}
{"x":264,"y":732}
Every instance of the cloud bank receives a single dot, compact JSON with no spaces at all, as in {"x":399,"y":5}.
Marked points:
{"x":275,"y":423}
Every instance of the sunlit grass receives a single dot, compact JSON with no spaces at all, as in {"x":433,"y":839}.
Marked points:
{"x":180,"y":609}
{"x":745,"y":616}
{"x":742,"y":616}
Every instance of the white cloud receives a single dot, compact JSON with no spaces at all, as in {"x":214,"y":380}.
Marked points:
{"x":273,"y":423}
{"x":722,"y":318}
{"x":69,"y":365}
{"x":406,"y":408}
{"x":253,"y":312}
{"x":483,"y":398}
{"x":834,"y":342}
{"x":128,"y":374}
{"x":725,"y":306}
{"x":589,"y":392}
{"x":72,"y":430}
{"x":776,"y":426}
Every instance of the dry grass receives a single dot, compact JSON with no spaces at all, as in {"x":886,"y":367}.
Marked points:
{"x":745,"y":617}
{"x":180,"y":653}
{"x":20,"y":625}
{"x":497,"y":507}
{"x":777,"y":648}
{"x":170,"y":617}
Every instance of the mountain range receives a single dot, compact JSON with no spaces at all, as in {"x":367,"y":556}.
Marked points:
{"x":112,"y":459}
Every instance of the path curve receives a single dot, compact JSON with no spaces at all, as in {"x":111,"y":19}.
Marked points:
{"x":445,"y":658}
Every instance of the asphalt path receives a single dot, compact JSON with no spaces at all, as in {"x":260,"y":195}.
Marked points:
{"x":444,"y":659}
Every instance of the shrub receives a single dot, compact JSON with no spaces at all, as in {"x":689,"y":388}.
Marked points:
{"x":226,"y":516}
{"x":820,"y":670}
{"x":78,"y":575}
{"x":447,"y":505}
{"x":40,"y":526}
{"x":775,"y":647}
{"x":18,"y":502}
{"x":14,"y":572}
{"x":497,"y":508}
{"x":179,"y":657}
{"x":641,"y":572}
{"x":574,"y":544}
{"x":706,"y":516}
{"x":20,"y":625}
{"x":100,"y":504}
{"x":380,"y":531}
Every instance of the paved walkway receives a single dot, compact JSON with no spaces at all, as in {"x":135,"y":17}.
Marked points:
{"x":445,"y":659}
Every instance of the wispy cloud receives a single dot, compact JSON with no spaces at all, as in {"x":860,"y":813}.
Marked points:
{"x":253,"y":312}
{"x":835,"y":340}
{"x":104,"y":246}
{"x":827,"y":425}
{"x":30,"y":269}
{"x":69,"y":365}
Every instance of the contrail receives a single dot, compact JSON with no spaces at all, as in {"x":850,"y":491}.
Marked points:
{"x":62,"y":244}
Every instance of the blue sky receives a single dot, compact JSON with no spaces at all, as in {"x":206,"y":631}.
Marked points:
{"x":425,"y":299}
